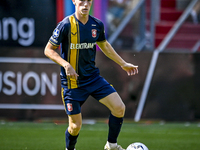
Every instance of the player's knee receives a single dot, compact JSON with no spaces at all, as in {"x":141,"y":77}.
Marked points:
{"x":119,"y":110}
{"x":75,"y":128}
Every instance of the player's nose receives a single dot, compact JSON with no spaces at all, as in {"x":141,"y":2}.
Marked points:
{"x":86,"y":3}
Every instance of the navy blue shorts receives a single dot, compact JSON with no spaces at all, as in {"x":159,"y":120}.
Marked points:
{"x":74,"y":98}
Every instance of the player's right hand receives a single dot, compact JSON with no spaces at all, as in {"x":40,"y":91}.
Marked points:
{"x":70,"y":72}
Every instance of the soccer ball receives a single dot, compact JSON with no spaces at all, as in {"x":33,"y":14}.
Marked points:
{"x":137,"y":146}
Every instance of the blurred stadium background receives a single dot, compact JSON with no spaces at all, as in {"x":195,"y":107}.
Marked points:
{"x":162,"y":37}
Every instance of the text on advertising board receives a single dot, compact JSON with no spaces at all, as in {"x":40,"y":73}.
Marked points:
{"x":14,"y":83}
{"x":22,"y":31}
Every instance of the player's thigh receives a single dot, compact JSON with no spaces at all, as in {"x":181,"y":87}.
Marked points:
{"x":114,"y":103}
{"x":75,"y":123}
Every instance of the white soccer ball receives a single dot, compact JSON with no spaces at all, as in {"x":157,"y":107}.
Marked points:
{"x":137,"y":146}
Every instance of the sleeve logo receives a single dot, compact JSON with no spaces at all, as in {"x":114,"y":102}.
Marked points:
{"x":56,"y":33}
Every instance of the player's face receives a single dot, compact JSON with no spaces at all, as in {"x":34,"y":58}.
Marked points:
{"x":82,"y":6}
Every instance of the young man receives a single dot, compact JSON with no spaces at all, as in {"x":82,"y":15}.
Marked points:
{"x":78,"y":35}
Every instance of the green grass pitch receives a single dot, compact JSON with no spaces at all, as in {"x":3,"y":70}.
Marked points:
{"x":50,"y":136}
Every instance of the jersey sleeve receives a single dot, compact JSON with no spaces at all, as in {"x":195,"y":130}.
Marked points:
{"x":58,"y":34}
{"x":102,"y":36}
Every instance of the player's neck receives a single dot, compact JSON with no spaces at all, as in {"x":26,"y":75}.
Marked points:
{"x":82,"y":18}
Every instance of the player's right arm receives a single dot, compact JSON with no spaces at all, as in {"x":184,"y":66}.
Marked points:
{"x":50,"y":52}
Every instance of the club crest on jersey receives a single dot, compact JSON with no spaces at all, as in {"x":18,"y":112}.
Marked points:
{"x":56,"y":33}
{"x":94,"y":33}
{"x":69,"y":106}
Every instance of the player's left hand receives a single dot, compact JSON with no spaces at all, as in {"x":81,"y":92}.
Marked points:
{"x":130,"y":69}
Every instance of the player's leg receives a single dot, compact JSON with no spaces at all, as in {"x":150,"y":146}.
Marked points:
{"x":73,"y":99}
{"x":71,"y":134}
{"x":107,"y":95}
{"x":115,"y":104}
{"x":117,"y":108}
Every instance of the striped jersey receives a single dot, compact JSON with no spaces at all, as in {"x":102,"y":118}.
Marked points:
{"x":78,"y":47}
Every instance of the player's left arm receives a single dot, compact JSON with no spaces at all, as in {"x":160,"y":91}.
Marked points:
{"x":109,"y":51}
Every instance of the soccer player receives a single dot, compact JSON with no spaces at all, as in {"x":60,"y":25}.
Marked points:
{"x":78,"y":35}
